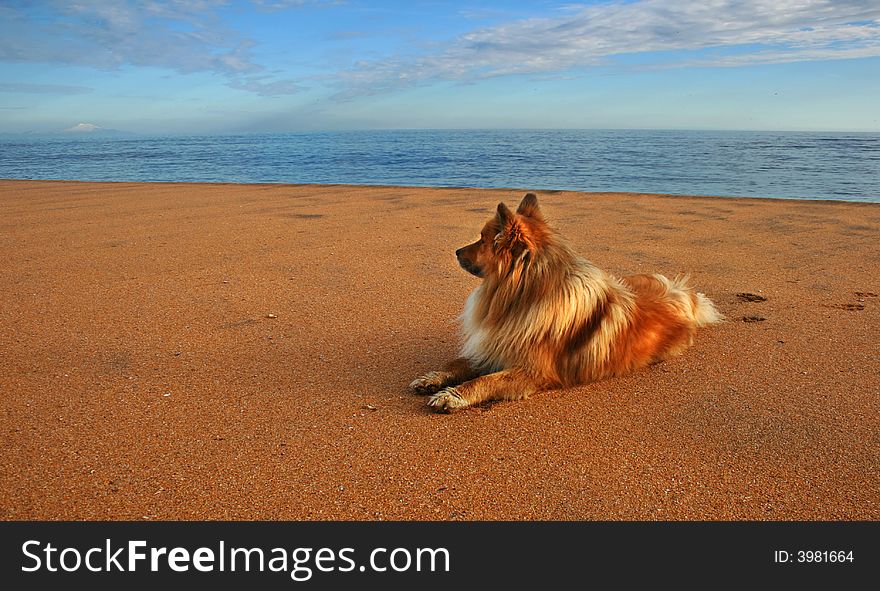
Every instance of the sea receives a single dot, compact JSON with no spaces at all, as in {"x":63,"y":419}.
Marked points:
{"x":789,"y":165}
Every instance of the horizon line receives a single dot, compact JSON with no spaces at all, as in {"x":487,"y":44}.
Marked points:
{"x":125,"y":133}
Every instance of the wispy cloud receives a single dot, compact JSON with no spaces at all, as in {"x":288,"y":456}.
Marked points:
{"x":44,"y":88}
{"x":757,"y":31}
{"x":186,"y":36}
{"x":265,"y":86}
{"x":273,"y":5}
{"x":346,"y":35}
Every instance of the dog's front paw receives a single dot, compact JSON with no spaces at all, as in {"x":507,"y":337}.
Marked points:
{"x":447,"y":400}
{"x":428,"y":383}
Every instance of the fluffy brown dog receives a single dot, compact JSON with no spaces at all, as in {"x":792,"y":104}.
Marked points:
{"x":544,"y":317}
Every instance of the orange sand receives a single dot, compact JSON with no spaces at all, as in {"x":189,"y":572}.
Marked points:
{"x":142,"y":376}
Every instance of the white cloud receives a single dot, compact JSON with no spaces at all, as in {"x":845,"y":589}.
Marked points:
{"x":186,"y":36}
{"x":758,"y":31}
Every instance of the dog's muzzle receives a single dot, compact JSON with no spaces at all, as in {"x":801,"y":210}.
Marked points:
{"x":467,"y":265}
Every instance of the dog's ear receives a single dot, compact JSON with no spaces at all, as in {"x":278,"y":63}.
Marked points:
{"x":528,"y":207}
{"x":504,"y":215}
{"x":513,"y":235}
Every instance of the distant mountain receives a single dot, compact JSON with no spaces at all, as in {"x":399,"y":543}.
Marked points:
{"x":91,"y":129}
{"x":83,"y":128}
{"x":78,"y":130}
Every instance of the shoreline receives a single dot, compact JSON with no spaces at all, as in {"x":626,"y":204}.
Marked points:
{"x":862,"y":201}
{"x":241,"y":351}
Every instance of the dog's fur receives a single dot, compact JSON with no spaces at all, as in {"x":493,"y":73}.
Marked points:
{"x":544,"y":317}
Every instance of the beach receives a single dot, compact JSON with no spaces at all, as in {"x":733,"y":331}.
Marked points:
{"x":242,"y":352}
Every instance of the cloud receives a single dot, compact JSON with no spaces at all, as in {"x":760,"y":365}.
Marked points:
{"x":43,"y":88}
{"x":264,"y":87}
{"x":346,"y":35}
{"x":758,"y":31}
{"x":273,"y":5}
{"x":186,"y":36}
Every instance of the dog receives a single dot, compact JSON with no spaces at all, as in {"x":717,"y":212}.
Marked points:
{"x":543,"y":317}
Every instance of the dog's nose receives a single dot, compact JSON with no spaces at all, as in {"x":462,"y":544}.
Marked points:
{"x":458,"y":252}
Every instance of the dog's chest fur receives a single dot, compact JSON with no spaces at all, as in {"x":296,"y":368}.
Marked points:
{"x":515,"y":339}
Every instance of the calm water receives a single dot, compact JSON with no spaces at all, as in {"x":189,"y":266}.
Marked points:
{"x":842,"y":166}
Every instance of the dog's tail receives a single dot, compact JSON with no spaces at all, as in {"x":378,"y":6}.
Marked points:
{"x":700,"y":308}
{"x":705,"y":311}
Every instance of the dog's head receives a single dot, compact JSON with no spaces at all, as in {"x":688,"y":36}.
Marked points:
{"x":507,"y":240}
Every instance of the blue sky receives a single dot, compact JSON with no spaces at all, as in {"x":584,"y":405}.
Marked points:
{"x":215,"y":66}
